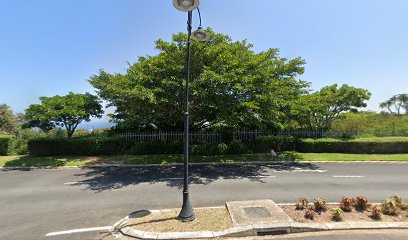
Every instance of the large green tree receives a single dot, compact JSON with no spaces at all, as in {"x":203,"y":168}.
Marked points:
{"x":396,"y":105}
{"x":64,"y":111}
{"x":231,"y":85}
{"x":8,"y":121}
{"x":320,"y":109}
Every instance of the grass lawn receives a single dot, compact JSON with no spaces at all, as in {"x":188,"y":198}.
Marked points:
{"x":28,"y":161}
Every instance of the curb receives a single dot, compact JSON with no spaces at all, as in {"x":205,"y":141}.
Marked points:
{"x":261,"y":230}
{"x":121,"y":228}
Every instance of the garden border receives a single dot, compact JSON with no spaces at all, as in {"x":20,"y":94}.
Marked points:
{"x":121,"y":228}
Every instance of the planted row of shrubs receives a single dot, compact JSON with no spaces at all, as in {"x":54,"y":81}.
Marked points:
{"x":115,"y":146}
{"x":92,"y":146}
{"x":359,"y":146}
{"x":392,"y":206}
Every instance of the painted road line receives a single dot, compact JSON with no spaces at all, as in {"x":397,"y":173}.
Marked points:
{"x":80,"y":230}
{"x":336,"y":176}
{"x":300,"y":171}
{"x":70,"y":183}
{"x":261,"y":176}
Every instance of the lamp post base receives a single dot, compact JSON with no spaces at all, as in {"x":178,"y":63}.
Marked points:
{"x":187,"y":213}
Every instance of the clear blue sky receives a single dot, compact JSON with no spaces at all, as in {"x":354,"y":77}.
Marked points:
{"x":50,"y":47}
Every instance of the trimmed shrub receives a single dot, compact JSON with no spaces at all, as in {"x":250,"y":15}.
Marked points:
{"x":320,"y":205}
{"x":6,"y":142}
{"x":310,"y":212}
{"x":302,"y":204}
{"x":265,"y":144}
{"x":376,"y":212}
{"x":363,"y":146}
{"x":361,"y":203}
{"x":337,"y":214}
{"x":346,"y":204}
{"x":389,"y":207}
{"x":86,"y":146}
{"x":238,"y":147}
{"x":209,"y":149}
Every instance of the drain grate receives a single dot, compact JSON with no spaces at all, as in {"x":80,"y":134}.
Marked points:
{"x":275,"y":232}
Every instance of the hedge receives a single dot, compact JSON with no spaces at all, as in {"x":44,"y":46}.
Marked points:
{"x":362,"y":146}
{"x":6,"y":144}
{"x":93,"y":146}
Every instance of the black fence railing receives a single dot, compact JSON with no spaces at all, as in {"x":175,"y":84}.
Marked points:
{"x":241,"y":135}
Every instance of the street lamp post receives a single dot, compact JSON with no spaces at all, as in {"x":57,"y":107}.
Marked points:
{"x":187,"y":213}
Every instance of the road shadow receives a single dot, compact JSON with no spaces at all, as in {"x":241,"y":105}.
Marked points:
{"x":100,"y":179}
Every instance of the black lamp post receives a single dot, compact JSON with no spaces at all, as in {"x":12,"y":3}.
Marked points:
{"x":187,"y":213}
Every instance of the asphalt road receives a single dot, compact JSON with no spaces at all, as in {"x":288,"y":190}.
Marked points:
{"x":36,"y":202}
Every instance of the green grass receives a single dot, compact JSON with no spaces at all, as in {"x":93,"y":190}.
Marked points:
{"x":28,"y":161}
{"x":352,"y":157}
{"x":365,"y":139}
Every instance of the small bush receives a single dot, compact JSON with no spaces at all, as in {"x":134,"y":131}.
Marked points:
{"x":397,"y":200}
{"x":389,"y":207}
{"x":346,"y":204}
{"x":238,"y":147}
{"x":310,"y":212}
{"x":320,"y":205}
{"x":302,"y":204}
{"x":376,"y":212}
{"x":209,"y":149}
{"x":337,"y":214}
{"x":361,"y":203}
{"x":404,"y":205}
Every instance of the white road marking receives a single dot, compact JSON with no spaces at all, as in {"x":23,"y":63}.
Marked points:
{"x":301,"y":170}
{"x":336,"y":176}
{"x":70,"y":183}
{"x":80,"y":230}
{"x":261,"y":176}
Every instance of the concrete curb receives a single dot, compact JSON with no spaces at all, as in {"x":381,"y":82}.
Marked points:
{"x":121,"y":228}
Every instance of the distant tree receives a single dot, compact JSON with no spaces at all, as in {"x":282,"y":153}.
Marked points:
{"x":8,"y":121}
{"x":396,"y":105}
{"x":320,"y":109}
{"x":65,"y":111}
{"x":231,"y":85}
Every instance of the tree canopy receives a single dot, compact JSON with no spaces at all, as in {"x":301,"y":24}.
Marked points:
{"x":396,"y":105}
{"x":8,"y":121}
{"x":320,"y":109}
{"x":231,"y":85}
{"x":64,"y":111}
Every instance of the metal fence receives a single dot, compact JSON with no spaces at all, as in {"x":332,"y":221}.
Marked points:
{"x":242,"y":135}
{"x":214,"y":137}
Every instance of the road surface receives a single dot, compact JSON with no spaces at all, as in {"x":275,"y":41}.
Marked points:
{"x":37,"y":202}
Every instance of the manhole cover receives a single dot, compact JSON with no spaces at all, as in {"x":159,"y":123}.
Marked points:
{"x":257,"y":212}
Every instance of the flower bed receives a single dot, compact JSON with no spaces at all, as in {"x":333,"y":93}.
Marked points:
{"x":356,"y":209}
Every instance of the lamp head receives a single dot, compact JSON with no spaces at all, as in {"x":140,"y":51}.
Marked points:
{"x":186,"y":5}
{"x":200,"y":35}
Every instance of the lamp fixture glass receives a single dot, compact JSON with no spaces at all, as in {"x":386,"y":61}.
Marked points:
{"x":200,"y":35}
{"x":186,"y":5}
